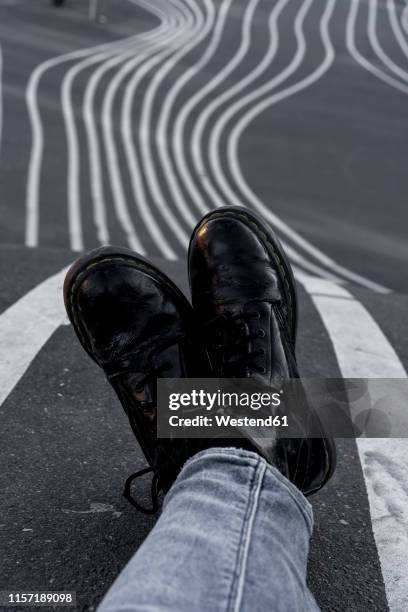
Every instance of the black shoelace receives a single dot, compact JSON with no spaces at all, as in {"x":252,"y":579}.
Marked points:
{"x":232,"y":351}
{"x":127,"y":366}
{"x":154,"y":491}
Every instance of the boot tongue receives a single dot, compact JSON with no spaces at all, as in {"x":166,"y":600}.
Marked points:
{"x":237,"y":327}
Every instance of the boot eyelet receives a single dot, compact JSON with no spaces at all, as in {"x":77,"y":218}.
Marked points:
{"x":261,"y":333}
{"x":257,"y":316}
{"x":261,"y":351}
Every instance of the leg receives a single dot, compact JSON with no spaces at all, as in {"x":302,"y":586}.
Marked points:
{"x":233,"y":535}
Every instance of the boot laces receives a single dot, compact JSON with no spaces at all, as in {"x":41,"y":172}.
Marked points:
{"x":230,"y":344}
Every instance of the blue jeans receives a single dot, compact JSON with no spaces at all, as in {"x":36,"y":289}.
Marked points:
{"x":233,"y":536}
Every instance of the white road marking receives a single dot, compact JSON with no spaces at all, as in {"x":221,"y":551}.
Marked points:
{"x":73,"y":179}
{"x":363,"y":351}
{"x":37,"y":145}
{"x":396,"y":27}
{"x":73,"y":171}
{"x":94,"y":156}
{"x":375,"y":43}
{"x":236,"y":133}
{"x":174,"y":24}
{"x":181,"y":37}
{"x":26,"y":326}
{"x":355,"y":53}
{"x":404,"y":17}
{"x":215,"y":133}
{"x":198,"y":33}
{"x":177,"y":140}
{"x":140,"y":42}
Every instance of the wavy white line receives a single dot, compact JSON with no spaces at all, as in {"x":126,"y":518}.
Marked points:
{"x":119,"y":198}
{"x":375,"y":43}
{"x":359,"y":57}
{"x":143,"y":42}
{"x":177,"y":140}
{"x":218,"y":101}
{"x":192,"y":25}
{"x":199,"y":32}
{"x":233,"y":145}
{"x":37,"y":146}
{"x":396,"y":27}
{"x":404,"y":18}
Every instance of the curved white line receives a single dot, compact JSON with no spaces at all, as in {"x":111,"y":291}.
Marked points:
{"x":372,"y":35}
{"x":363,"y":351}
{"x":20,"y":338}
{"x":201,"y":124}
{"x":396,"y":27}
{"x":177,"y":139}
{"x":94,"y":155}
{"x":37,"y":145}
{"x":73,"y":171}
{"x":215,"y":161}
{"x":206,"y":114}
{"x":204,"y":117}
{"x":233,"y":141}
{"x":192,"y":25}
{"x":355,"y":53}
{"x":199,"y":32}
{"x":73,"y":185}
{"x":119,"y":198}
{"x":404,"y":18}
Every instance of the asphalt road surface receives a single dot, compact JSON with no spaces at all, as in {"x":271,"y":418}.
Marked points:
{"x":126,"y":130}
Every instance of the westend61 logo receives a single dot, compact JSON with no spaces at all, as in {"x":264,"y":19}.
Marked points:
{"x":209,"y":401}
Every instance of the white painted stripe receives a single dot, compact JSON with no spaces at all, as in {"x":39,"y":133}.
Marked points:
{"x":375,"y":43}
{"x":198,"y":33}
{"x":108,"y":134}
{"x":177,"y":138}
{"x":173,"y":24}
{"x":305,"y":264}
{"x":73,"y":171}
{"x":139,"y":43}
{"x":181,"y":37}
{"x":88,"y":111}
{"x":355,"y":53}
{"x":404,"y":18}
{"x":396,"y":27}
{"x":361,"y":348}
{"x":26,"y":326}
{"x":228,"y":94}
{"x":363,"y":351}
{"x":196,"y":141}
{"x":37,"y":131}
{"x":236,"y":133}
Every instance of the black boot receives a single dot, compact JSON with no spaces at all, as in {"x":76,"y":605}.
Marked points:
{"x":244,"y":298}
{"x":137,"y":326}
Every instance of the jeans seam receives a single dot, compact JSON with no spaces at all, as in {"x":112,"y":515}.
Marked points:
{"x":307,"y":515}
{"x":234,"y":603}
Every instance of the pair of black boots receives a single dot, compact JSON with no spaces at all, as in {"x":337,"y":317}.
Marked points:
{"x":138,"y":326}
